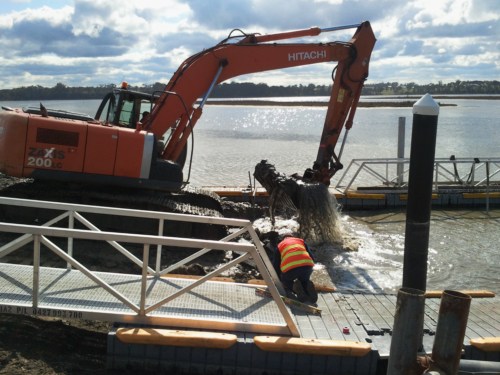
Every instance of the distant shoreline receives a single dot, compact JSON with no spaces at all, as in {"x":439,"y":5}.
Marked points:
{"x":243,"y":102}
{"x":369,"y":101}
{"x":391,"y":101}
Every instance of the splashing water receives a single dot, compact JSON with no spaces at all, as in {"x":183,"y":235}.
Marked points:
{"x":324,"y":253}
{"x":319,"y":218}
{"x":318,"y":215}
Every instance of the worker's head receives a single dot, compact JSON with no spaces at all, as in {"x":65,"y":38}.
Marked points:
{"x":145,"y":114}
{"x":273,"y":237}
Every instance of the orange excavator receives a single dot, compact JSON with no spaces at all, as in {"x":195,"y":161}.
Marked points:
{"x":118,"y":147}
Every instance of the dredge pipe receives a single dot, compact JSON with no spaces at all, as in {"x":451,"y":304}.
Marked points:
{"x":418,"y":211}
{"x":450,"y":331}
{"x":407,"y":332}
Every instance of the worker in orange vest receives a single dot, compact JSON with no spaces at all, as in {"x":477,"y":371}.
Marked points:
{"x":294,"y":263}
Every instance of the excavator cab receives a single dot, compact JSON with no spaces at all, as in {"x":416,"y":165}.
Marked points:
{"x":123,"y":107}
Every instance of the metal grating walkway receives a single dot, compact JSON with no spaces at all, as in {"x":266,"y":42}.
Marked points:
{"x":69,"y":293}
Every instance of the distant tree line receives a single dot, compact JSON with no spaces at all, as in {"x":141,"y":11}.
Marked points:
{"x":248,"y":90}
{"x":452,"y":88}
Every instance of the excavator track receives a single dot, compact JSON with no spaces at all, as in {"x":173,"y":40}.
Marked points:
{"x":190,"y":200}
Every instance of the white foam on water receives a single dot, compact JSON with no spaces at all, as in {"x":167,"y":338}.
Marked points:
{"x":463,"y":251}
{"x":360,"y":260}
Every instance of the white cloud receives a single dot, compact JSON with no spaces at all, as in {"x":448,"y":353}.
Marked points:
{"x":98,"y":42}
{"x":52,"y":16}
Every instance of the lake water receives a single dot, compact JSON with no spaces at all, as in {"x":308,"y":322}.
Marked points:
{"x":464,"y":251}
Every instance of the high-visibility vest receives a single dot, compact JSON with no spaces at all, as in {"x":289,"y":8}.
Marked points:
{"x":294,"y":254}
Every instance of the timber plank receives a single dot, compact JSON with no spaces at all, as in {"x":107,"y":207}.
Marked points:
{"x":488,"y":344}
{"x":181,"y":338}
{"x":313,"y":346}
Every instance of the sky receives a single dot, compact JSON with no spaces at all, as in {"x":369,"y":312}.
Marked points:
{"x":101,"y":42}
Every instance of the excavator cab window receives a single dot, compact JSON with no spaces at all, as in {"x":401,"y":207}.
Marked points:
{"x":126,"y":114}
{"x":146,"y":107}
{"x":107,"y":109}
{"x":124,"y":107}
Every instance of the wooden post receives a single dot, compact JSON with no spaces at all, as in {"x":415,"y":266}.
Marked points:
{"x":401,"y":149}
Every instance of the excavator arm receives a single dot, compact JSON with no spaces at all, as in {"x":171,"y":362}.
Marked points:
{"x":198,"y":75}
{"x":349,"y":79}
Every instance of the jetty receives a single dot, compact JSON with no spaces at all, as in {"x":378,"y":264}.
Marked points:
{"x":382,"y":183}
{"x":167,"y":322}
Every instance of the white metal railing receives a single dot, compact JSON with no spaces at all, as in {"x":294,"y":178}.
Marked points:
{"x":39,"y":235}
{"x":393,"y":173}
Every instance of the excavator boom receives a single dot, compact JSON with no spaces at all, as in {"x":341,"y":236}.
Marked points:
{"x":121,"y":145}
{"x":197,"y":76}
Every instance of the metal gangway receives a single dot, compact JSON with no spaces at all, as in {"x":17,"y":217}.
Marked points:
{"x":152,"y":295}
{"x":392,"y":173}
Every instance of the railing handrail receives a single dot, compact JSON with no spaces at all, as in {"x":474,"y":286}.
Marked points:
{"x":128,"y":212}
{"x":38,"y":234}
{"x":440,"y":166}
{"x":123,"y":237}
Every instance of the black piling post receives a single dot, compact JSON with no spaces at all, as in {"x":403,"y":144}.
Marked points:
{"x":423,"y":147}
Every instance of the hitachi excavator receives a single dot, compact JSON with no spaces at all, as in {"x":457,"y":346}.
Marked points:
{"x":118,"y":147}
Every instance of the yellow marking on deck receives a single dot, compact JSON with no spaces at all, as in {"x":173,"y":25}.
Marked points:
{"x":404,"y":197}
{"x":351,"y":195}
{"x":481,"y":195}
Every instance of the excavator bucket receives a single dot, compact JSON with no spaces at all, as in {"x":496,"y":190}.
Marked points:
{"x":318,"y":217}
{"x":283,"y":190}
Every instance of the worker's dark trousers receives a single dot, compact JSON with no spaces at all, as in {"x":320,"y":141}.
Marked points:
{"x":301,"y":273}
